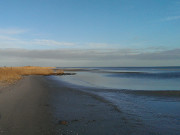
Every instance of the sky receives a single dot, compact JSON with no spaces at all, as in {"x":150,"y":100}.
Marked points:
{"x":79,"y":33}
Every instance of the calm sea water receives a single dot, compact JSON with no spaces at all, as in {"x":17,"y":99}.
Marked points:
{"x":149,"y":95}
{"x":157,"y":78}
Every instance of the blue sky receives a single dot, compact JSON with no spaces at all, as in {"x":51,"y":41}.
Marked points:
{"x":139,"y":26}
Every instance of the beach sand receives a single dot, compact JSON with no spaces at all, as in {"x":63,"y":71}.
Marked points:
{"x":38,"y":105}
{"x":24,"y":108}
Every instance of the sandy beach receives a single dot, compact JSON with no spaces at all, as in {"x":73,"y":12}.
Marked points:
{"x":42,"y":105}
{"x":24,"y":108}
{"x":88,"y":114}
{"x":37,"y":105}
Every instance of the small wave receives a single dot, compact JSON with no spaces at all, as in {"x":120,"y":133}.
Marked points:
{"x":164,"y":93}
{"x":168,"y":75}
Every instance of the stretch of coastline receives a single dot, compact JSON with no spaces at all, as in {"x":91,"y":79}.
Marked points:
{"x":77,"y":104}
{"x":37,"y":105}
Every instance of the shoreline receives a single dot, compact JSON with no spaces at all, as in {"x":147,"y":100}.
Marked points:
{"x":37,"y":105}
{"x":40,"y":105}
{"x":87,"y":114}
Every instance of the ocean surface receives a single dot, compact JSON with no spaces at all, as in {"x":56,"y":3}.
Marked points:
{"x":149,"y":95}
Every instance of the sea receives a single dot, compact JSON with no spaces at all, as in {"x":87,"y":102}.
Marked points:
{"x":149,"y":95}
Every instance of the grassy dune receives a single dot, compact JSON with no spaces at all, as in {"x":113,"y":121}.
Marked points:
{"x":12,"y":74}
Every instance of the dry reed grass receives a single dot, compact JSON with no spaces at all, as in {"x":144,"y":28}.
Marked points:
{"x":12,"y":74}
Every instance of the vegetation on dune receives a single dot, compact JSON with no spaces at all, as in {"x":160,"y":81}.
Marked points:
{"x":12,"y":74}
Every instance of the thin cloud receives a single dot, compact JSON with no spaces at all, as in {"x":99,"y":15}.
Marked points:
{"x":7,"y":38}
{"x":88,"y":57}
{"x":51,"y":42}
{"x":90,"y":54}
{"x":12,"y":31}
{"x":11,"y":42}
{"x":98,"y":45}
{"x":170,"y":18}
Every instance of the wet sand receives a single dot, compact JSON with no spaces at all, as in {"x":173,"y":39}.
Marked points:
{"x":24,"y":108}
{"x":38,"y":105}
{"x":88,"y":114}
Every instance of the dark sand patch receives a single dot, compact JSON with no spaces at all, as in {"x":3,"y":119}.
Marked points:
{"x":23,"y":108}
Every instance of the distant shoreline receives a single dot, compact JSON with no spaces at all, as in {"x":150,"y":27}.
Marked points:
{"x":12,"y":74}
